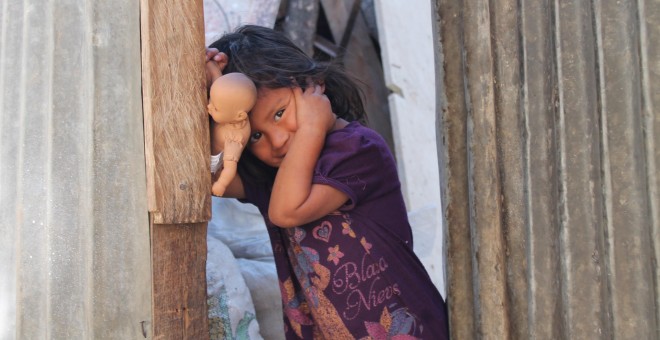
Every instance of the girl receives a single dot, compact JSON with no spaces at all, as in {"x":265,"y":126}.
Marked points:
{"x":329,"y":193}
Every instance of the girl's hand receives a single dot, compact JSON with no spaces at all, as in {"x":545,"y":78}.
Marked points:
{"x":215,"y":63}
{"x":313,"y":109}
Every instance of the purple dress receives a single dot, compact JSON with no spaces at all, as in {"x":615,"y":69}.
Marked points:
{"x":353,"y":274}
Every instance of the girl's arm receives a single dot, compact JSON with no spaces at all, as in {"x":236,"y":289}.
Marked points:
{"x":295,"y":200}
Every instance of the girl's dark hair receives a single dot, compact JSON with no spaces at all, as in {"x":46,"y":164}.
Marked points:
{"x":272,"y":61}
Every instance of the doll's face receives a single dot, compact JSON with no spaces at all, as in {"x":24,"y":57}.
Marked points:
{"x":273,"y":124}
{"x":223,"y":115}
{"x":231,"y":97}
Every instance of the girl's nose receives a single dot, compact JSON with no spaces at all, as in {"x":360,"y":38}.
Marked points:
{"x":278,"y":141}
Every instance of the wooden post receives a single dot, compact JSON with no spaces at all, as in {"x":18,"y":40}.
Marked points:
{"x":177,"y":149}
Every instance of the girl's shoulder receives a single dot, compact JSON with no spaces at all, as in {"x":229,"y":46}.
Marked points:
{"x":354,"y":132}
{"x":355,"y":139}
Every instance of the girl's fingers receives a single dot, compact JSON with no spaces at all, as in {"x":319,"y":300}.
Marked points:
{"x":297,"y":92}
{"x":214,"y":54}
{"x":211,"y":53}
{"x":312,"y":88}
{"x":220,"y":58}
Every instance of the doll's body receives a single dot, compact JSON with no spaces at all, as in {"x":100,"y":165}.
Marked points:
{"x":232,"y":96}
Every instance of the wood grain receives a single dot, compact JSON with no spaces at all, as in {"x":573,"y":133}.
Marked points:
{"x":177,"y":164}
{"x":179,"y":281}
{"x":175,"y":118}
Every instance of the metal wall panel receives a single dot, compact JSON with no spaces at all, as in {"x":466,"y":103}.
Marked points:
{"x":548,"y":135}
{"x":74,"y":255}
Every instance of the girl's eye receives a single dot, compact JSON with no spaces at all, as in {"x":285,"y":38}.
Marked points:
{"x":255,"y":137}
{"x":278,"y":115}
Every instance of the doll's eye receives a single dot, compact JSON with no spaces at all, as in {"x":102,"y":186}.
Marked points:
{"x":278,"y":115}
{"x":255,"y":137}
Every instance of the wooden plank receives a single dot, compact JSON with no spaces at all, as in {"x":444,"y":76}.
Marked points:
{"x":582,"y":221}
{"x":178,"y":177}
{"x":452,"y":156}
{"x":649,"y":12}
{"x":510,"y":134}
{"x":484,"y":180}
{"x":175,"y":118}
{"x":179,"y":279}
{"x":541,"y":175}
{"x":627,"y":204}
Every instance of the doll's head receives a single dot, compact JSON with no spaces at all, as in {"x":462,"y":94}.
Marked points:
{"x":232,"y":96}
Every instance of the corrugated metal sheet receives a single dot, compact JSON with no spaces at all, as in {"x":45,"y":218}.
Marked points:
{"x":74,"y":252}
{"x":550,"y":159}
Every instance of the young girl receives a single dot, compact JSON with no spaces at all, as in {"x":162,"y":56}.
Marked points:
{"x":329,"y":193}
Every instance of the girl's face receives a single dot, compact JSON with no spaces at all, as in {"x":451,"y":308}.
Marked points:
{"x":273,"y":125}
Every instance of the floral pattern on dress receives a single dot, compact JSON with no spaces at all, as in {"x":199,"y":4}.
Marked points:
{"x":397,"y":325}
{"x":295,"y":307}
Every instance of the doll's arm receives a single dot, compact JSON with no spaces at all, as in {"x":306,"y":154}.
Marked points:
{"x":227,"y":174}
{"x":231,"y":155}
{"x":234,"y":188}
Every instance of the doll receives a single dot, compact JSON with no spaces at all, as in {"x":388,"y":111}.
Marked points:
{"x":232,"y":96}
